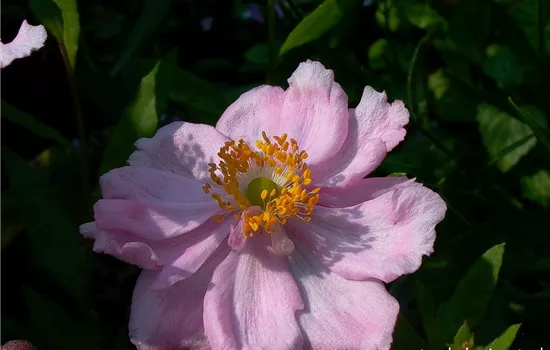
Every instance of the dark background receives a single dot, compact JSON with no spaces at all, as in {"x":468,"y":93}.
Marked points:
{"x":455,"y":63}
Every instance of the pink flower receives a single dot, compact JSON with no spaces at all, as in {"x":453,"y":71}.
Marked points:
{"x":28,"y":39}
{"x":262,"y":233}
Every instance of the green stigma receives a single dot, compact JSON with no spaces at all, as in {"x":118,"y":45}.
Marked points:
{"x":255,"y":189}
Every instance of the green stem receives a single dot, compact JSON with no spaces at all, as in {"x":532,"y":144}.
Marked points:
{"x":84,"y":166}
{"x":272,"y":50}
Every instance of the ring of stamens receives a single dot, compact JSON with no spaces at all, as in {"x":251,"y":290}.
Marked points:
{"x":276,"y":172}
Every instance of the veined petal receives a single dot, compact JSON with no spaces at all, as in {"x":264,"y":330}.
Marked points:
{"x":171,"y":318}
{"x":29,"y":38}
{"x":254,"y":111}
{"x":382,"y":238}
{"x":152,"y":220}
{"x":180,"y":148}
{"x":338,"y":313}
{"x":252,"y":301}
{"x":315,"y":112}
{"x":146,"y":184}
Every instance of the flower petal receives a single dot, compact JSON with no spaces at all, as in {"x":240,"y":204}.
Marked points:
{"x":145,"y":184}
{"x":152,"y":220}
{"x":253,"y":112}
{"x":171,"y":318}
{"x":252,"y":301}
{"x":341,"y":314}
{"x":375,"y":128}
{"x":382,"y":238}
{"x":314,"y":112}
{"x":28,"y":39}
{"x":180,"y":148}
{"x":360,"y":191}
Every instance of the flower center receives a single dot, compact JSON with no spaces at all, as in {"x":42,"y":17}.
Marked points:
{"x":272,"y":176}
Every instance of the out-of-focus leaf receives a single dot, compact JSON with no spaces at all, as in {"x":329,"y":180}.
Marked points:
{"x":140,"y":117}
{"x":536,"y":122}
{"x":151,"y":16}
{"x":378,"y":54}
{"x":498,"y":131}
{"x":452,"y":102}
{"x":472,"y":295}
{"x":503,"y":66}
{"x":190,"y":90}
{"x":34,"y":125}
{"x":54,"y":326}
{"x":537,"y":187}
{"x":257,"y":54}
{"x":47,"y":12}
{"x":388,"y":16}
{"x":11,"y":225}
{"x":420,"y":15}
{"x":61,"y":19}
{"x":317,"y":23}
{"x":405,"y":337}
{"x":426,"y":308}
{"x":52,"y":234}
{"x":414,"y":82}
{"x":505,"y":340}
{"x":464,"y":339}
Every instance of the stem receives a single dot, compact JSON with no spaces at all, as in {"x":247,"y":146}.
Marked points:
{"x":84,"y":166}
{"x":272,"y":50}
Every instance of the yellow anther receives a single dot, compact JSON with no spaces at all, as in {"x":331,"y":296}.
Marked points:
{"x":272,"y":193}
{"x":218,"y":218}
{"x":264,"y":194}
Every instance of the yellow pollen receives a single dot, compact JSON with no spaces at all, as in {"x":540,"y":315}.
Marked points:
{"x":270,"y":176}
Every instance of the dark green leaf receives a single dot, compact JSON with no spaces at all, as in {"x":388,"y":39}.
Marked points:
{"x":537,"y":187}
{"x":535,"y":121}
{"x":405,"y":337}
{"x":426,"y":308}
{"x":140,"y":117}
{"x":503,"y":66}
{"x":27,"y":121}
{"x":257,"y":54}
{"x":53,"y":236}
{"x":505,"y":340}
{"x":320,"y":21}
{"x":472,"y":295}
{"x":47,"y":12}
{"x":151,"y":16}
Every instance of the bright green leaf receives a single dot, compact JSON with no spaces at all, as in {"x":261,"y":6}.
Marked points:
{"x":463,"y":338}
{"x":32,"y":124}
{"x":472,"y":295}
{"x":140,"y":117}
{"x":405,"y":337}
{"x":498,"y":131}
{"x":52,"y":235}
{"x":505,"y":340}
{"x":150,"y":18}
{"x":71,"y":28}
{"x":317,"y":23}
{"x":537,"y":187}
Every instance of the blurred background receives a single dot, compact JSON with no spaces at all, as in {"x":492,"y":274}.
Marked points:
{"x":473,"y":73}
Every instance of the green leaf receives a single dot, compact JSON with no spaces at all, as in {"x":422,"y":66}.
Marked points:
{"x":47,"y":12}
{"x":71,"y":28}
{"x":426,"y":308}
{"x":257,"y":54}
{"x":472,"y":295}
{"x":503,"y":66}
{"x":317,"y":23}
{"x":505,"y":340}
{"x":537,"y":187}
{"x":150,"y":18}
{"x":499,"y":130}
{"x":452,"y":101}
{"x":535,"y":120}
{"x":190,"y":90}
{"x":463,"y":338}
{"x":420,"y":15}
{"x":34,"y":125}
{"x":53,"y":236}
{"x":140,"y":117}
{"x":378,"y":54}
{"x":54,"y":327}
{"x":405,"y":337}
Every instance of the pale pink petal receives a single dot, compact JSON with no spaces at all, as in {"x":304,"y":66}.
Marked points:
{"x":152,"y":220}
{"x":314,"y":112}
{"x":29,"y":38}
{"x":253,"y":112}
{"x":382,"y":238}
{"x":180,"y":148}
{"x":341,"y":314}
{"x":179,"y":257}
{"x":375,"y":128}
{"x":252,"y":301}
{"x":145,"y":184}
{"x":171,"y":318}
{"x":359,"y":191}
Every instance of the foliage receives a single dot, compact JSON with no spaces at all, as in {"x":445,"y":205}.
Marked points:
{"x":475,"y":75}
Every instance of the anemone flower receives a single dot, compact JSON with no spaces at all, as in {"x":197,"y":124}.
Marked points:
{"x":29,"y":38}
{"x":263,"y":232}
